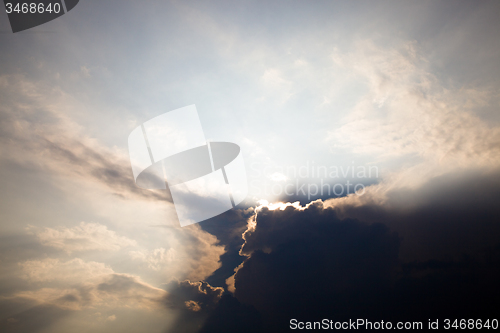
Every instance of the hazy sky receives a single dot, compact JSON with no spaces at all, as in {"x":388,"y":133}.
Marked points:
{"x":411,"y":88}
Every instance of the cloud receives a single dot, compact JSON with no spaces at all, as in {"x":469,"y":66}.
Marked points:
{"x":193,"y":295}
{"x":279,"y":87}
{"x":156,"y":258}
{"x":110,"y":292}
{"x":75,"y":270}
{"x":262,"y":238}
{"x":34,"y":319}
{"x":129,"y":291}
{"x":77,"y":284}
{"x":84,"y":237}
{"x":85,"y":71}
{"x":111,"y":318}
{"x":408,"y":112}
{"x":192,"y":254}
{"x":194,"y":300}
{"x":405,"y":115}
{"x":37,"y":133}
{"x":436,"y":218}
{"x":231,"y":316}
{"x":228,"y":228}
{"x":193,"y":306}
{"x":430,"y":252}
{"x":278,"y":177}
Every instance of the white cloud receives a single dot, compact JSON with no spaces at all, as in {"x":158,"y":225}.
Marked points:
{"x":407,"y":112}
{"x":156,"y":258}
{"x":73,"y":271}
{"x":82,"y":284}
{"x":84,"y":237}
{"x":277,"y":85}
{"x":278,"y":177}
{"x":193,"y":254}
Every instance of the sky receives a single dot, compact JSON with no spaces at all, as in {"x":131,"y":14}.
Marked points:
{"x":400,"y":99}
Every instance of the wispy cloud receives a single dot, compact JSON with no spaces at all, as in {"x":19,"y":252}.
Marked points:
{"x":36,"y":132}
{"x":82,"y":284}
{"x":407,"y":112}
{"x":84,"y":237}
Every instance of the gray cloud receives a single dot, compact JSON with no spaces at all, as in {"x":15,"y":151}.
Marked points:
{"x":435,"y":218}
{"x":202,"y":293}
{"x":430,"y":252}
{"x":194,"y":300}
{"x":75,"y":292}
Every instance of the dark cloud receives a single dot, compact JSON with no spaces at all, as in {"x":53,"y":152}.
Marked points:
{"x":447,"y":216}
{"x":309,"y":263}
{"x":204,"y":307}
{"x":231,"y":316}
{"x":228,"y":228}
{"x":431,"y":253}
{"x":202,"y":293}
{"x":194,"y":301}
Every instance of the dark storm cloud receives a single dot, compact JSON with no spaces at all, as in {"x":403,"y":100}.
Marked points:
{"x":312,"y":264}
{"x":194,"y":301}
{"x":231,"y":316}
{"x":202,"y":293}
{"x":228,"y":228}
{"x":308,"y":262}
{"x":202,"y":305}
{"x":447,"y":216}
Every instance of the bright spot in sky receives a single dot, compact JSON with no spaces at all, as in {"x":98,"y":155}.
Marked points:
{"x":278,"y":177}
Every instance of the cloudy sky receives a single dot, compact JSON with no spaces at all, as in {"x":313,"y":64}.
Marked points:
{"x":401,"y":99}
